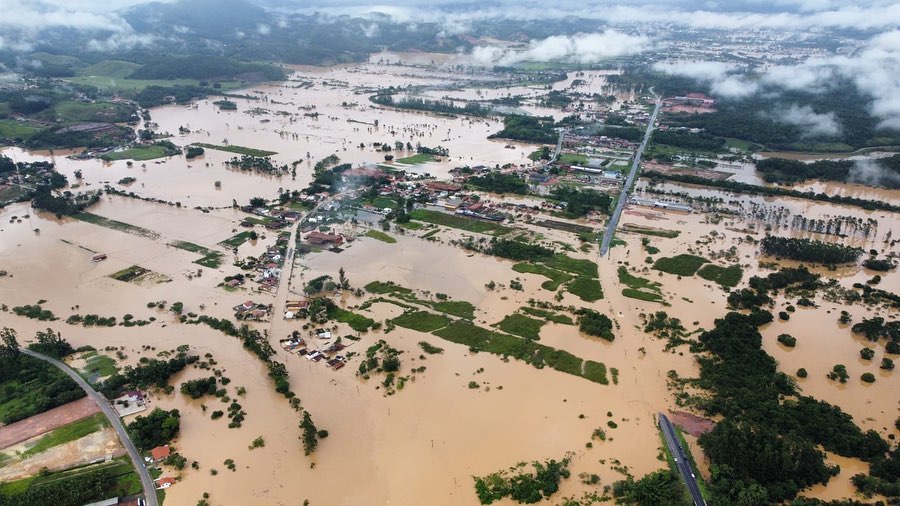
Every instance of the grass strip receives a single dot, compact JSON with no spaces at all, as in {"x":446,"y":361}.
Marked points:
{"x":116,"y":225}
{"x":459,"y":222}
{"x":554,"y":277}
{"x":241,"y":150}
{"x":521,"y":325}
{"x":381,"y":236}
{"x":422,"y":321}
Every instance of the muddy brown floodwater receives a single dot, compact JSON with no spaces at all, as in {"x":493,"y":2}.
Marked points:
{"x":424,"y":443}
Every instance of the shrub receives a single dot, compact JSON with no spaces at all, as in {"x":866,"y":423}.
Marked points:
{"x":787,"y":340}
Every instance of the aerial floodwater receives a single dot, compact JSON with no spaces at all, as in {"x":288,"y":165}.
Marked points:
{"x":330,"y":253}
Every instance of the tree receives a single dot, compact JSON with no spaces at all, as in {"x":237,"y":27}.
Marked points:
{"x":309,"y":437}
{"x":257,"y":202}
{"x":155,"y":429}
{"x":50,"y":343}
{"x":9,"y":350}
{"x":867,"y":353}
{"x":887,"y":364}
{"x":342,"y":279}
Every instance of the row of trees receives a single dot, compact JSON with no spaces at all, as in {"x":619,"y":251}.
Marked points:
{"x":808,"y":250}
{"x":752,"y":189}
{"x":149,"y":372}
{"x":439,"y":106}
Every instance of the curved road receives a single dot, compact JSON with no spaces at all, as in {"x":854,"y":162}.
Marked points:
{"x":623,"y":198}
{"x":681,"y":460}
{"x":136,"y":459}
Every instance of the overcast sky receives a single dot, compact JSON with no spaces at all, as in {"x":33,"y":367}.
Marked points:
{"x":787,"y":14}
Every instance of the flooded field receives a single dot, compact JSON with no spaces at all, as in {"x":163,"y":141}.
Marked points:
{"x":460,"y":413}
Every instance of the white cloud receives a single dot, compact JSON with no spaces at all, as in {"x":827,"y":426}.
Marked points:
{"x":263,"y":29}
{"x":724,"y":79}
{"x":812,"y":123}
{"x":581,"y":48}
{"x":121,"y":41}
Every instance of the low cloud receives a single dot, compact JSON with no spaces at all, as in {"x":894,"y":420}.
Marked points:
{"x":724,"y":79}
{"x":121,"y":41}
{"x":580,"y":48}
{"x":868,"y":172}
{"x":874,"y":69}
{"x":812,"y":123}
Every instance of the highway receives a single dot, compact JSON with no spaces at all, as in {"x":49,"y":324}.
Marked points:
{"x":136,"y":459}
{"x":681,"y":459}
{"x":623,"y":198}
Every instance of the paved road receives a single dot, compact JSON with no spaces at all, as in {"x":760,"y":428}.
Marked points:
{"x":136,"y":459}
{"x":558,"y":150}
{"x":681,"y":459}
{"x":623,"y":198}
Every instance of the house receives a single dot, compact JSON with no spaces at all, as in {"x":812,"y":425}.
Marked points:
{"x":320,"y":239}
{"x":167,"y":482}
{"x":160,"y":453}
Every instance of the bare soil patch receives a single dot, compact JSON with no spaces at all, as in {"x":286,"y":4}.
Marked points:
{"x":692,"y":424}
{"x":47,"y":421}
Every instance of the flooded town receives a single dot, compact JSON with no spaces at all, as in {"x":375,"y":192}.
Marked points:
{"x":502,"y":263}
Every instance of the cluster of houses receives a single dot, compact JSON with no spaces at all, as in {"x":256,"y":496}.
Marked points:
{"x":330,"y":355}
{"x":157,"y":456}
{"x":268,"y":265}
{"x":277,"y":218}
{"x":252,"y":311}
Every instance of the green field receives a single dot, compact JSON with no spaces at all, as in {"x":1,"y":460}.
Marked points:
{"x":101,"y":365}
{"x":71,"y":111}
{"x":74,"y":487}
{"x":585,"y":288}
{"x":138,"y":153}
{"x":538,"y":355}
{"x":382,"y":202}
{"x":67,"y":433}
{"x":236,"y":240}
{"x":554,"y":277}
{"x":241,"y":150}
{"x":13,"y":129}
{"x":112,"y":75}
{"x":680,"y":265}
{"x":548,"y":315}
{"x":116,"y":225}
{"x":381,"y":236}
{"x":357,"y":322}
{"x":383,"y":288}
{"x":639,"y":288}
{"x":671,"y":234}
{"x":460,"y":308}
{"x":521,"y":325}
{"x":595,"y":371}
{"x":211,"y":258}
{"x":728,"y":277}
{"x":573,"y":159}
{"x":454,"y":221}
{"x":422,"y":321}
{"x":580,"y":267}
{"x":416,"y":159}
{"x":411,"y":225}
{"x":631,"y":293}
